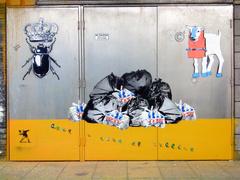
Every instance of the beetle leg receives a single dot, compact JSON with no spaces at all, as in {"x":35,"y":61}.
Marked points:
{"x":54,"y":61}
{"x":28,"y":72}
{"x":54,"y":73}
{"x":27,"y":61}
{"x":32,"y":48}
{"x":50,"y":47}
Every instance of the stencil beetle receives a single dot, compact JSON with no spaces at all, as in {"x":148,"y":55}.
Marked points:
{"x":41,"y":60}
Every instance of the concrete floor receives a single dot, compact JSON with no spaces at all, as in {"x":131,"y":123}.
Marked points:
{"x":120,"y":170}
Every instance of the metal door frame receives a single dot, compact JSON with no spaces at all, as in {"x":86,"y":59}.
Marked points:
{"x":81,"y":59}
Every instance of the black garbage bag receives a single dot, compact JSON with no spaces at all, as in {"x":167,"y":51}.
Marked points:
{"x":97,"y":108}
{"x":147,"y":94}
{"x":170,"y":110}
{"x":135,"y":108}
{"x":106,"y":86}
{"x":157,"y":92}
{"x":137,"y":81}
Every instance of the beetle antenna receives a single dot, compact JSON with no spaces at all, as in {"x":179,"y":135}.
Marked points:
{"x":27,"y":61}
{"x":52,"y":44}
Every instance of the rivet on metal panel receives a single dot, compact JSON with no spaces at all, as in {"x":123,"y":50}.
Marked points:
{"x":194,"y":80}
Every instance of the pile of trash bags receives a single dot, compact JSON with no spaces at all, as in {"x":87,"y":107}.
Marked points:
{"x":131,"y":100}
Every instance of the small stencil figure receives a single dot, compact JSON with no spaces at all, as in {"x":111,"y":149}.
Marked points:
{"x":41,"y":62}
{"x":204,"y":46}
{"x":24,"y":134}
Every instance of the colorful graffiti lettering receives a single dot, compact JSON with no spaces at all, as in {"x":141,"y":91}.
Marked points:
{"x":109,"y":139}
{"x":174,"y":146}
{"x":53,"y":126}
{"x":136,"y":143}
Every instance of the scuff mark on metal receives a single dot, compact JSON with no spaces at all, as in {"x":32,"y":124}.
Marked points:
{"x":81,"y":174}
{"x":16,"y":47}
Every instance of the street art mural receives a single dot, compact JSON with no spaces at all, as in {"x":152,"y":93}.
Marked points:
{"x":204,"y":46}
{"x":131,"y":100}
{"x":41,"y":38}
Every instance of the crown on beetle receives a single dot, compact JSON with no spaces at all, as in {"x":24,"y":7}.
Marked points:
{"x":41,"y":31}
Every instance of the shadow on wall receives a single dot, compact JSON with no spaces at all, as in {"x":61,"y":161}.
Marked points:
{"x":2,"y":83}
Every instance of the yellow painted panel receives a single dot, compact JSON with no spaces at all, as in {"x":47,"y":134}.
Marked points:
{"x":13,"y":2}
{"x":109,"y":143}
{"x":188,"y":140}
{"x":28,"y":2}
{"x":46,"y":140}
{"x":19,"y":2}
{"x":201,"y":139}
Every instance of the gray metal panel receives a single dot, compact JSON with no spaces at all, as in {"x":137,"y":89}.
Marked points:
{"x":210,"y":96}
{"x":45,"y":98}
{"x":119,"y":40}
{"x":97,"y":2}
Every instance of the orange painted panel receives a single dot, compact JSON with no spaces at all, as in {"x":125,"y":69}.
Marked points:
{"x":202,"y":139}
{"x":44,"y":140}
{"x":109,"y":143}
